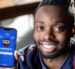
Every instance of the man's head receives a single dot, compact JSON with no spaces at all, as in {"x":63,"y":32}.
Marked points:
{"x":52,"y":28}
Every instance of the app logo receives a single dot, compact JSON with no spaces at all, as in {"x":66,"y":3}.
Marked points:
{"x":6,"y":42}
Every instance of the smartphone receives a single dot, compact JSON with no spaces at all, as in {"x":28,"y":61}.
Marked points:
{"x":7,"y":46}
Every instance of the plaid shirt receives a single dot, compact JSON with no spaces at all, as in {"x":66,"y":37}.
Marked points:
{"x":31,"y":59}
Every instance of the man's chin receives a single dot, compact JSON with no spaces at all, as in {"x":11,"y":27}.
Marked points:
{"x":49,"y":56}
{"x":52,"y":55}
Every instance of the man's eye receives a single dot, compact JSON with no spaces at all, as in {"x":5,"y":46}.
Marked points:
{"x":40,"y":28}
{"x":59,"y":29}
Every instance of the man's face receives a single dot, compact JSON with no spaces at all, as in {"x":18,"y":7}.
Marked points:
{"x":50,"y":31}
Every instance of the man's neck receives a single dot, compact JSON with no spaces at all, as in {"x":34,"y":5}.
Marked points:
{"x":56,"y":62}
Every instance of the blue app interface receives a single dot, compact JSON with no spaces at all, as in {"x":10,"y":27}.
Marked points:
{"x":7,"y":47}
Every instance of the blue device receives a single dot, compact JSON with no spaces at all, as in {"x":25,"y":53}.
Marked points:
{"x":7,"y":46}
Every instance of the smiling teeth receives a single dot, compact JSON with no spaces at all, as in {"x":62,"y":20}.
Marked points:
{"x":49,"y":46}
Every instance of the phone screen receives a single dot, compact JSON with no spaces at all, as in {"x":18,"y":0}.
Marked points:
{"x":7,"y":46}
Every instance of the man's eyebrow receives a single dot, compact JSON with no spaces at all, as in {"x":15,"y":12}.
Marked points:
{"x":60,"y":22}
{"x":40,"y":22}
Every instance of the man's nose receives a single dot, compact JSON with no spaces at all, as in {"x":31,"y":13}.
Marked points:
{"x":49,"y":34}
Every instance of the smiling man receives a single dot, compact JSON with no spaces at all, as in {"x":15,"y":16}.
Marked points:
{"x":52,"y":32}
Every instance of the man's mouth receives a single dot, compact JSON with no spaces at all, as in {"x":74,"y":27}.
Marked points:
{"x":49,"y":47}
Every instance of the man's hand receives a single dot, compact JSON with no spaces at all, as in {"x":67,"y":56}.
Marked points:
{"x":8,"y":68}
{"x":16,"y":55}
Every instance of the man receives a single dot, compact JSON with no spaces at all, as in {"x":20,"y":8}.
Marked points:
{"x":52,"y":32}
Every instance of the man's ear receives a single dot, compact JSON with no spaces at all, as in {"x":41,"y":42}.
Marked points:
{"x":72,"y":39}
{"x":73,"y":30}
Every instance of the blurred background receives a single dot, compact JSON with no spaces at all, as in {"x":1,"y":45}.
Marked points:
{"x":19,"y":14}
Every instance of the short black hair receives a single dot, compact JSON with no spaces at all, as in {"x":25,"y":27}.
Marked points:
{"x":63,"y":3}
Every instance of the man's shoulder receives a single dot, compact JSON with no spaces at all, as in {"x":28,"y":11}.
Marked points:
{"x":29,"y":47}
{"x":27,"y":51}
{"x":29,"y":58}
